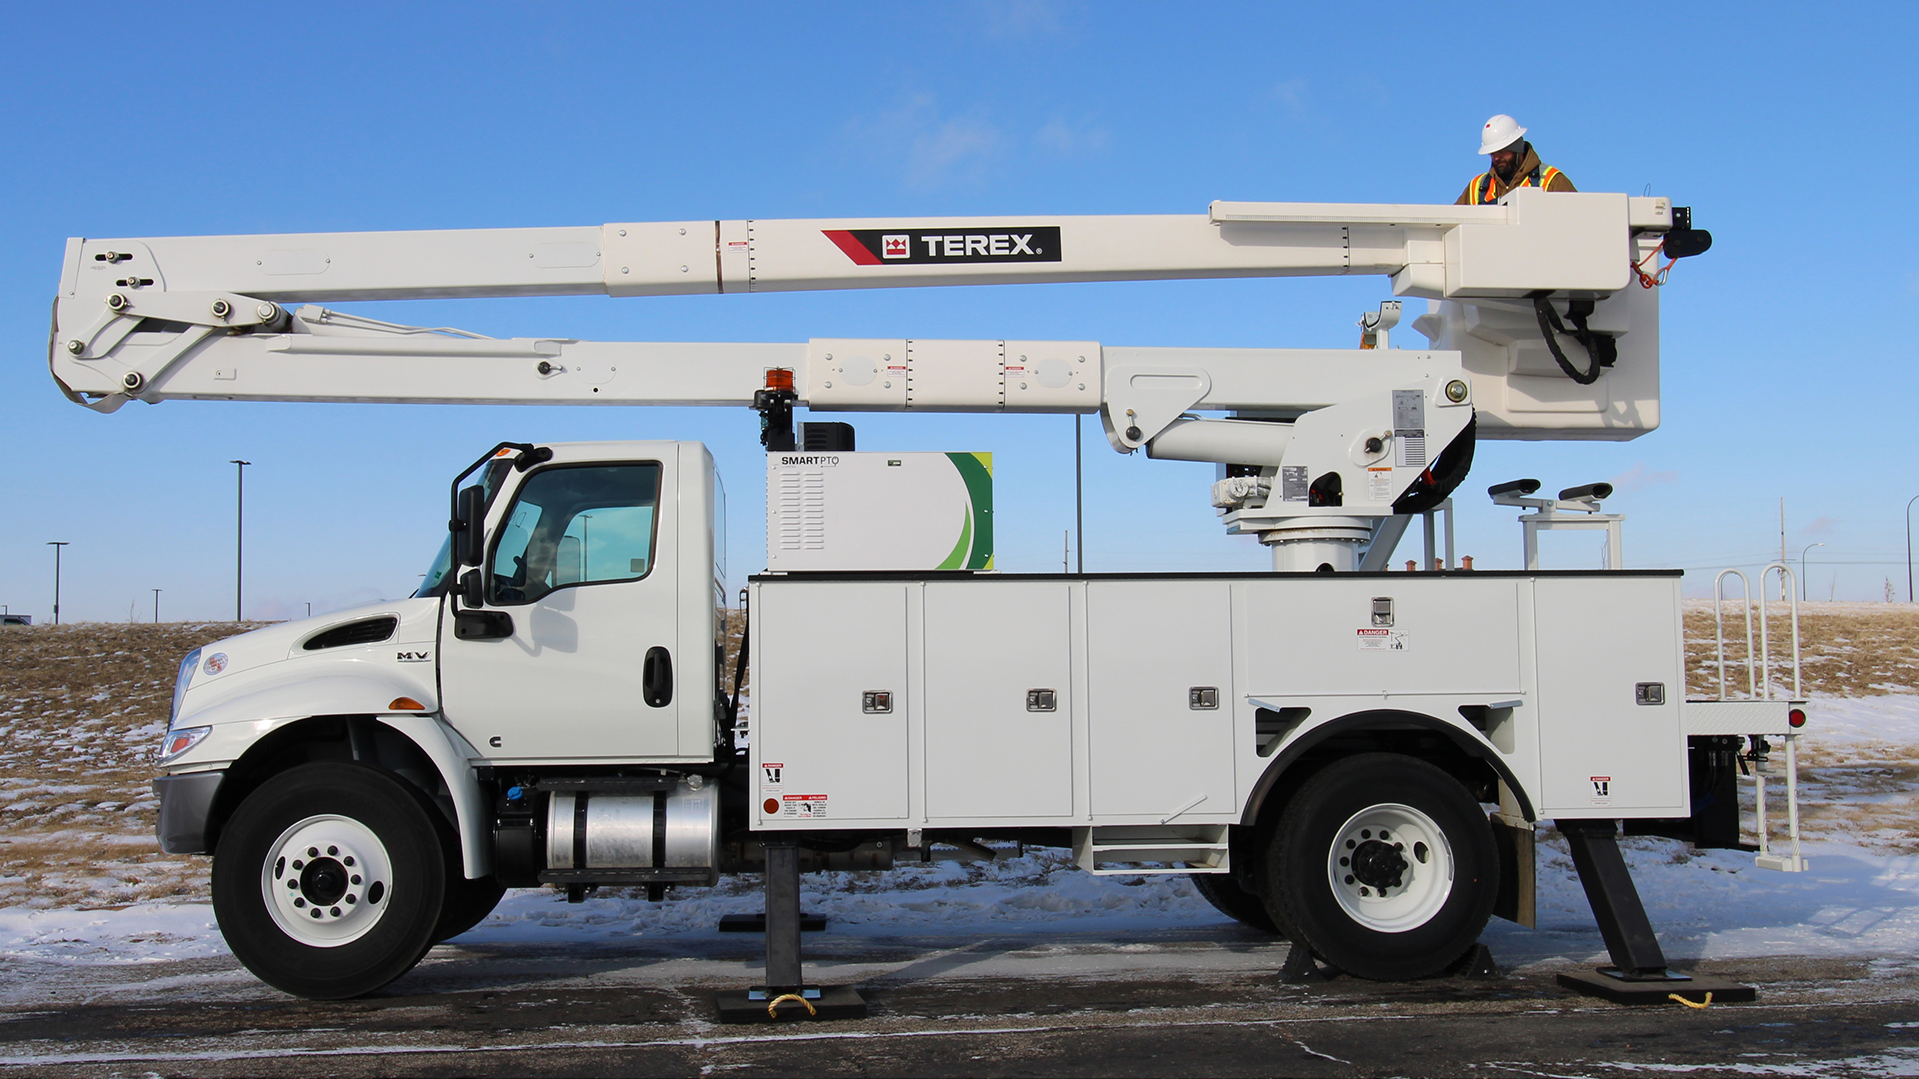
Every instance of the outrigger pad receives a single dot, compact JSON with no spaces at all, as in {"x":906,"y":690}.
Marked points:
{"x":1594,"y":983}
{"x":827,"y":1002}
{"x":756,"y":923}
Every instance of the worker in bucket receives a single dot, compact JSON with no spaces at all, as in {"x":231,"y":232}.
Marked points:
{"x":1515,"y":164}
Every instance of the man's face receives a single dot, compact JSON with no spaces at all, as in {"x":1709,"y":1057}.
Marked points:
{"x":1504,"y":161}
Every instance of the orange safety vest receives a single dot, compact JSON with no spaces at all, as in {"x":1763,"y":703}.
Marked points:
{"x":1482,"y":185}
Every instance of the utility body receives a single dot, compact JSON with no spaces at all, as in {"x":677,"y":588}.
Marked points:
{"x":1350,"y":757}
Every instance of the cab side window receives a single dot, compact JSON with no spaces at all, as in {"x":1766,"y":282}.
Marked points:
{"x":579,"y":525}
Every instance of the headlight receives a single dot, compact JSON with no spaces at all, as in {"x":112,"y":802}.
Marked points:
{"x":178,"y":742}
{"x":180,"y":681}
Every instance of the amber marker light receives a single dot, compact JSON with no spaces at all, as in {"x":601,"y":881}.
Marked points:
{"x":405,"y":704}
{"x":779,"y":378}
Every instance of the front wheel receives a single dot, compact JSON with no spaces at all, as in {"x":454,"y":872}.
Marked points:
{"x":1385,"y":866}
{"x":468,"y":902}
{"x":329,"y":881}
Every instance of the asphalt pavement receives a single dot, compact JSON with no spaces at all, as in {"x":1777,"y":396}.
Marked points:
{"x":1186,"y":1003}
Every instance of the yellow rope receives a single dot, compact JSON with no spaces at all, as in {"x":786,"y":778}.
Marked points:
{"x":773,"y":1005}
{"x":1691,"y":1004}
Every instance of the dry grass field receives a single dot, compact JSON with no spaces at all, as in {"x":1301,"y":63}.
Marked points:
{"x":82,"y":708}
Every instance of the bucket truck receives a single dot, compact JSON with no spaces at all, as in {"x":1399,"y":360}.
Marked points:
{"x":1352,"y":758}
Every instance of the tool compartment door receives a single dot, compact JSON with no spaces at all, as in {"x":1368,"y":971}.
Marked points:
{"x":999,"y":700}
{"x":1603,"y":753}
{"x":1155,"y":757}
{"x":825,"y":752}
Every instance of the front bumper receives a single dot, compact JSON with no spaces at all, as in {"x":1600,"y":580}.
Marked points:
{"x":186,"y":802}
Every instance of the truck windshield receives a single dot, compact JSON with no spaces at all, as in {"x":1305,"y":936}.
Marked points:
{"x":439,"y":576}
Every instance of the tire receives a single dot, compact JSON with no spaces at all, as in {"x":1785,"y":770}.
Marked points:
{"x":1227,"y":897}
{"x":329,"y":881}
{"x":468,"y":902}
{"x":1385,"y":867}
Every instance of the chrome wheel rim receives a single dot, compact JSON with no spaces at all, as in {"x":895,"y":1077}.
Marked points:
{"x":1390,"y":868}
{"x":327,"y":881}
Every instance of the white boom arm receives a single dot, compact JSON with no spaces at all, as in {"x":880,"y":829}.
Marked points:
{"x":211,"y":318}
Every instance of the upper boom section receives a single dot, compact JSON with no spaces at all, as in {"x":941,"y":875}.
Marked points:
{"x":1565,"y":242}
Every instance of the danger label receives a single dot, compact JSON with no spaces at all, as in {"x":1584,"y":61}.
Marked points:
{"x":770,"y":774}
{"x":811,"y":806}
{"x":907,"y":247}
{"x":1602,"y":790}
{"x":1379,"y":485}
{"x":1382,"y":640}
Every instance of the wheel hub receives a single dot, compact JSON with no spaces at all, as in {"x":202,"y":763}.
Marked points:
{"x":1390,"y":867}
{"x":1378,"y":864}
{"x":324,"y":880}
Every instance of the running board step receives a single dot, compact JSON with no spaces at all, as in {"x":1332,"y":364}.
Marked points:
{"x":1200,"y":848}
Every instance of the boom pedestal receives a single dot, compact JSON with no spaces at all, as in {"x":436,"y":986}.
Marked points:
{"x":785,"y":994}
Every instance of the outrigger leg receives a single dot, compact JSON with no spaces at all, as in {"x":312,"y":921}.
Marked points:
{"x":1638,"y":974}
{"x":786,"y":994}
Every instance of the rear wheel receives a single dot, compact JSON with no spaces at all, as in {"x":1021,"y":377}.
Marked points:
{"x":330,"y":880}
{"x":1386,"y":867}
{"x":1227,"y":897}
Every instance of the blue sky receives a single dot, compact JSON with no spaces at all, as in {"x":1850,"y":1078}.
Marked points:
{"x":1789,"y":130}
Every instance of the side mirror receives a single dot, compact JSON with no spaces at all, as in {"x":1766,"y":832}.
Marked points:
{"x":469,"y":535}
{"x":472,"y":589}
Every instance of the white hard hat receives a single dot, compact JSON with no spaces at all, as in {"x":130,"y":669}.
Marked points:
{"x":1500,"y":132}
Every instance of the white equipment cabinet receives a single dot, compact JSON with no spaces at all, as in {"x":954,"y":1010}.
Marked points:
{"x":1146,"y":701}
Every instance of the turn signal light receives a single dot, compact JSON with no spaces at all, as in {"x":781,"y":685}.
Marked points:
{"x":1796,"y":717}
{"x":405,"y":704}
{"x":181,"y":739}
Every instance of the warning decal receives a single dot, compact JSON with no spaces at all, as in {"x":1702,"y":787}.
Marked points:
{"x":1382,"y":640}
{"x":770,"y":774}
{"x":1379,"y":485}
{"x":1602,"y":790}
{"x":812,"y":806}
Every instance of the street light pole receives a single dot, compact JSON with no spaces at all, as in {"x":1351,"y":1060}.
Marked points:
{"x":1909,"y":502}
{"x":156,"y":606}
{"x":239,"y":532}
{"x":56,"y":545}
{"x":1802,"y":569}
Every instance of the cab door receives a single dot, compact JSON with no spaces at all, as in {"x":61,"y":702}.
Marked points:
{"x":581,"y":561}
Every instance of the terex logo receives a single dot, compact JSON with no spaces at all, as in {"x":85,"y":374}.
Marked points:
{"x":994,"y":243}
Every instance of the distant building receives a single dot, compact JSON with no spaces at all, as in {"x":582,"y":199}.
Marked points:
{"x":16,"y":620}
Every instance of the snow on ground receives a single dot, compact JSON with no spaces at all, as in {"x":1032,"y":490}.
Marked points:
{"x":1860,"y":898}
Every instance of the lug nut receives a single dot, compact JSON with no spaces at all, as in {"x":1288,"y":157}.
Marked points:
{"x":76,"y":346}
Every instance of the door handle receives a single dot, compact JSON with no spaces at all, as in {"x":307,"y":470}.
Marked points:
{"x":656,"y":677}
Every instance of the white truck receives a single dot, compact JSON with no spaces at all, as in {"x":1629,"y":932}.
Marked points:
{"x":1351,"y":757}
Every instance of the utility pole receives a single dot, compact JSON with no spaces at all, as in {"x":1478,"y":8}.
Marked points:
{"x":156,"y":606}
{"x":1782,"y":546}
{"x":56,"y":545}
{"x":239,"y":532}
